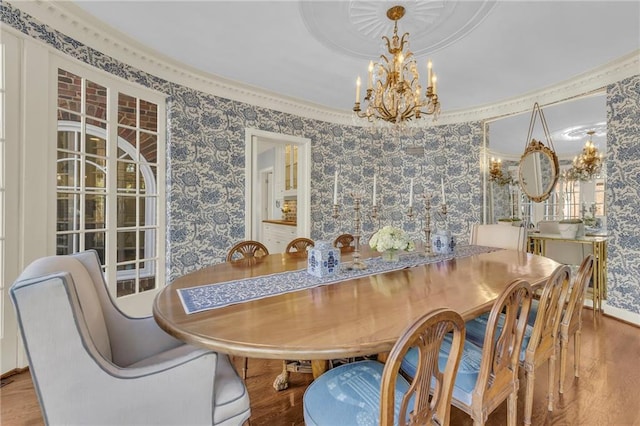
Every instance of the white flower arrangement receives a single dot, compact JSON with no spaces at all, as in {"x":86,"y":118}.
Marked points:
{"x":391,"y":238}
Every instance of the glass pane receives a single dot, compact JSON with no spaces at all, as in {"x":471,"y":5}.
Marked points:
{"x":95,"y":177}
{"x":131,"y":266}
{"x":69,"y":90}
{"x":126,"y":177}
{"x":127,"y":135}
{"x":67,"y":218}
{"x":94,"y":143}
{"x":147,"y":283}
{"x":96,"y":241}
{"x":125,"y":287}
{"x":96,"y":100}
{"x":148,"y":116}
{"x":146,"y":214}
{"x":126,"y":110}
{"x":68,"y":140}
{"x":67,"y":243}
{"x":148,"y":179}
{"x":122,"y":155}
{"x":147,"y":243}
{"x":95,"y":211}
{"x":126,"y":211}
{"x":126,"y":246}
{"x":148,"y":147}
{"x":68,"y":170}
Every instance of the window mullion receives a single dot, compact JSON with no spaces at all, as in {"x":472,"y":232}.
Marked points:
{"x":111,"y":256}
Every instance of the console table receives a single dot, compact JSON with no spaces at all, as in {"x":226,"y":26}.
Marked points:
{"x":538,"y":245}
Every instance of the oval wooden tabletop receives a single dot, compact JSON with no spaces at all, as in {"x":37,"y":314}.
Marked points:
{"x":350,"y":318}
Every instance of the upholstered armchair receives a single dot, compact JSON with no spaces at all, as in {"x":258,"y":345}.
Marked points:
{"x":92,"y":364}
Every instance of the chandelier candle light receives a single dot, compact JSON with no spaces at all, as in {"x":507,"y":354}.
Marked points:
{"x":394,"y":94}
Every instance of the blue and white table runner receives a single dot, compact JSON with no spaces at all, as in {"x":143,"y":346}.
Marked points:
{"x":218,"y":295}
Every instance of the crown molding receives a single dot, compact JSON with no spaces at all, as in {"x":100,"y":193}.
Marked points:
{"x":74,"y":22}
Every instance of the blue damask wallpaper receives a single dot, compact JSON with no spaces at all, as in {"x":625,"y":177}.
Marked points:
{"x":206,"y":188}
{"x":206,"y":162}
{"x":623,"y":194}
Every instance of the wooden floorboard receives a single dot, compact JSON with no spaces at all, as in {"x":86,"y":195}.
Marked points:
{"x":607,"y":392}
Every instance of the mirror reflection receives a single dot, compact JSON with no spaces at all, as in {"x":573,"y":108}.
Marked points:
{"x":538,"y":171}
{"x":578,"y":131}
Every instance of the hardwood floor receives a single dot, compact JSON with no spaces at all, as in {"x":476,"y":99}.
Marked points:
{"x":607,"y":392}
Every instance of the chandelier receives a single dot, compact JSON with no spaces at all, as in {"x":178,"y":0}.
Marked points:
{"x":497,"y":175}
{"x":589,"y":163}
{"x":394,"y":95}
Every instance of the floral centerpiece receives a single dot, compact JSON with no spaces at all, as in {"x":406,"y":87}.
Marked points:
{"x":389,"y":241}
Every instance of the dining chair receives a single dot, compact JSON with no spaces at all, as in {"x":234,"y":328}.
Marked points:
{"x":488,"y":374}
{"x":299,"y":245}
{"x":540,"y":342}
{"x":92,"y":364}
{"x":247,"y":250}
{"x":571,"y":324}
{"x":344,"y":242}
{"x":501,"y":236}
{"x":369,"y":392}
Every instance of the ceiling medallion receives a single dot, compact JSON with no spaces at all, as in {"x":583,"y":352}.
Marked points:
{"x":356,"y":27}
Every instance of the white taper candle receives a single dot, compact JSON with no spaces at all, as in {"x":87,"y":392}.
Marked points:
{"x":335,"y":189}
{"x":411,"y":193}
{"x":375,"y":187}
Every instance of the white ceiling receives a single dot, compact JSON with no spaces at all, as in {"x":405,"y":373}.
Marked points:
{"x":484,"y":52}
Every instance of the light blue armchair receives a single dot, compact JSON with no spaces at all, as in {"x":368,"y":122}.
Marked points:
{"x":92,"y":364}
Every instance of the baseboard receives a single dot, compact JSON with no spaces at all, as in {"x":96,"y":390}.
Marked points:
{"x":621,"y":314}
{"x":14,"y":372}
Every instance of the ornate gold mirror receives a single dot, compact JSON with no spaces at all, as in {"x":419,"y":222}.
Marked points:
{"x":539,"y":167}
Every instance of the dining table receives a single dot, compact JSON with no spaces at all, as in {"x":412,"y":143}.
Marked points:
{"x":349,"y":318}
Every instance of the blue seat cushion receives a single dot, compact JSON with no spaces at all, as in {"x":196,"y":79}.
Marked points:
{"x":468,"y":369}
{"x":349,"y":395}
{"x":477,"y":328}
{"x":533,"y":313}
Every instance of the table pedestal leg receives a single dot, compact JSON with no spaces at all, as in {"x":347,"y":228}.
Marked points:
{"x":282,"y":381}
{"x":318,"y":367}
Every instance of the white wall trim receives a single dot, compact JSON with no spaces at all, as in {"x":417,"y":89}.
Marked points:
{"x":621,"y":314}
{"x":71,"y":20}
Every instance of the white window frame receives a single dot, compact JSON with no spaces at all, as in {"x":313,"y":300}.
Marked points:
{"x":136,"y":303}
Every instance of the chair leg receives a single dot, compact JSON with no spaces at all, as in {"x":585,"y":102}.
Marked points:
{"x":245,"y":368}
{"x":552,"y":374}
{"x":528,"y":396}
{"x":576,"y":353}
{"x":564,"y":347}
{"x":512,"y":409}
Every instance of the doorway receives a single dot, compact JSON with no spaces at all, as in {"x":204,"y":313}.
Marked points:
{"x":257,"y":142}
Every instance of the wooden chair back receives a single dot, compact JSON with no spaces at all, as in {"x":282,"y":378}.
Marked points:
{"x":246,"y":250}
{"x":427,"y":335}
{"x":572,"y":317}
{"x":544,"y":342}
{"x":498,"y":377}
{"x":344,"y":243}
{"x":550,"y":308}
{"x":299,"y":245}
